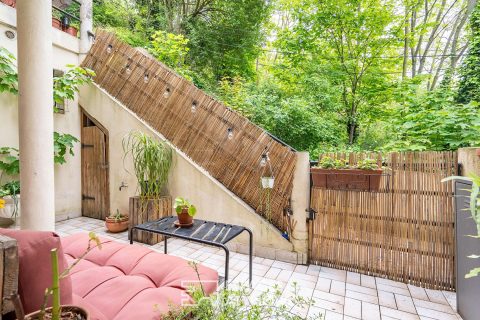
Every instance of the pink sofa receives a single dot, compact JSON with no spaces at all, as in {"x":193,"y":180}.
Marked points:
{"x":120,"y":281}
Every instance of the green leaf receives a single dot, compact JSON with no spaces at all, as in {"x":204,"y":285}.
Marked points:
{"x":472,"y":273}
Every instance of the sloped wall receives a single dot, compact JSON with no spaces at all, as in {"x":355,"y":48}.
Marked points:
{"x":213,"y":200}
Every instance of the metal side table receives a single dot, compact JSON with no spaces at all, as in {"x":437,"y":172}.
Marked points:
{"x":203,"y":231}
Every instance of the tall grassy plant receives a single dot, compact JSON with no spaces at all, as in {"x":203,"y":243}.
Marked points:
{"x":152,"y":161}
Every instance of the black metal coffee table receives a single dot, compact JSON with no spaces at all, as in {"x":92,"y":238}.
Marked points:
{"x":203,"y":231}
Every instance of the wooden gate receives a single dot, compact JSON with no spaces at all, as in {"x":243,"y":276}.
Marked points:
{"x":404,"y":231}
{"x":95,"y":194}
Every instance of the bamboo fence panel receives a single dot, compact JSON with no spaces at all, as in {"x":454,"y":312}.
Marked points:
{"x":201,"y":135}
{"x":404,"y":231}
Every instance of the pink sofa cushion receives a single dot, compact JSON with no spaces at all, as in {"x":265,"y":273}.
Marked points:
{"x":130,"y":281}
{"x":35,"y":270}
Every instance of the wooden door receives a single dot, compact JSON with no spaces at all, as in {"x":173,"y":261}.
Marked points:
{"x":95,"y":195}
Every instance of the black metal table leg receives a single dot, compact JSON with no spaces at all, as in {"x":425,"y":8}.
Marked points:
{"x":131,"y":235}
{"x":165,"y":245}
{"x":227,"y":263}
{"x":250,"y":257}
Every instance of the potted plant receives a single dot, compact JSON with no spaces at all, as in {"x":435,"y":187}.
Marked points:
{"x":10,"y":196}
{"x":152,"y":161}
{"x":56,"y":20}
{"x":338,"y":174}
{"x":116,"y":222}
{"x":10,"y":191}
{"x":185,"y":212}
{"x":58,"y":311}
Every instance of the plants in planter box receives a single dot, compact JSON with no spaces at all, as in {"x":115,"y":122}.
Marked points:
{"x":152,"y":161}
{"x":10,"y":191}
{"x":116,"y":222}
{"x":338,"y":174}
{"x":185,"y":211}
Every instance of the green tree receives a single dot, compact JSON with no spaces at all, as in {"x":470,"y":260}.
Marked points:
{"x":469,"y":85}
{"x":347,"y":37}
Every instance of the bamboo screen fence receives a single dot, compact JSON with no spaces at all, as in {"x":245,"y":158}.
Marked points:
{"x":165,"y":101}
{"x":404,"y":231}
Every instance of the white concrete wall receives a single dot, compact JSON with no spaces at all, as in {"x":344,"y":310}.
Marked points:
{"x":67,"y":176}
{"x":211,"y":198}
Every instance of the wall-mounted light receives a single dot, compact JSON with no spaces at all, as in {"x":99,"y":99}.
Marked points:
{"x":91,"y":36}
{"x":166,"y":94}
{"x":10,"y":34}
{"x":145,"y":78}
{"x":230,"y":133}
{"x":194,"y":106}
{"x":109,"y":48}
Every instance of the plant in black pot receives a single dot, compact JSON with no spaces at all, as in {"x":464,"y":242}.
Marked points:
{"x":152,"y":160}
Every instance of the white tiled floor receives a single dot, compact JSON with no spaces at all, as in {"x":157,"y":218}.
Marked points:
{"x":337,"y":294}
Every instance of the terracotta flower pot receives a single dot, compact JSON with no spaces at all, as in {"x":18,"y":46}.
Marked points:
{"x":116,"y":225}
{"x":184,"y":219}
{"x":67,"y":312}
{"x":56,"y":23}
{"x":10,"y":3}
{"x":72,"y":31}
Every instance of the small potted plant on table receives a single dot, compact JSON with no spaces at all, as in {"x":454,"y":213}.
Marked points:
{"x":116,"y":222}
{"x":185,"y":212}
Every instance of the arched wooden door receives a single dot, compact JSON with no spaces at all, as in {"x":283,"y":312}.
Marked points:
{"x":95,"y":182}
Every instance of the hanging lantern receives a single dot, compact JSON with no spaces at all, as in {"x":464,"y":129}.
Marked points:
{"x":128,"y":70}
{"x":230,"y":133}
{"x":109,"y":49}
{"x":194,"y":106}
{"x":268,"y":180}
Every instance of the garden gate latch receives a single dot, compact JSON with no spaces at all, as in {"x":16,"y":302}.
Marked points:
{"x":312,"y":214}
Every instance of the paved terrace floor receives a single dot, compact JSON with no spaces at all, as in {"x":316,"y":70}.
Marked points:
{"x":338,"y":295}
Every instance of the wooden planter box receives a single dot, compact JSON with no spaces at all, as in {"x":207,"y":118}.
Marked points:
{"x":143,"y":210}
{"x":348,"y":179}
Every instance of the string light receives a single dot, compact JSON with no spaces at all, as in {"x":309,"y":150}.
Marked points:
{"x":230,"y":133}
{"x":145,"y":78}
{"x":166,"y":94}
{"x":264,"y":160}
{"x":109,"y":49}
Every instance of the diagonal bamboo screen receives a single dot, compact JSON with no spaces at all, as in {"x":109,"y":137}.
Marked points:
{"x":404,"y":231}
{"x":164,"y":100}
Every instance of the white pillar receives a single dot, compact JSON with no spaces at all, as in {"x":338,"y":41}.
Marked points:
{"x":34,"y":28}
{"x":300,"y":203}
{"x":86,"y":25}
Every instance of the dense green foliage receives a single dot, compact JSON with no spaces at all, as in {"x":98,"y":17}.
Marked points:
{"x":323,"y":75}
{"x":469,"y":86}
{"x":8,"y":72}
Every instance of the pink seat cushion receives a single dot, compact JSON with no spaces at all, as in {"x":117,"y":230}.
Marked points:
{"x":35,"y":270}
{"x":130,"y":281}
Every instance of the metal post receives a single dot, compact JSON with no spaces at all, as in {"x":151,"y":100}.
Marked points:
{"x":165,"y":245}
{"x":250,"y":257}
{"x":227,"y":263}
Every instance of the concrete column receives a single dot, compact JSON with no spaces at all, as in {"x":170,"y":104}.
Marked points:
{"x":86,"y":25}
{"x":300,"y":203}
{"x":469,"y":158}
{"x":34,"y":28}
